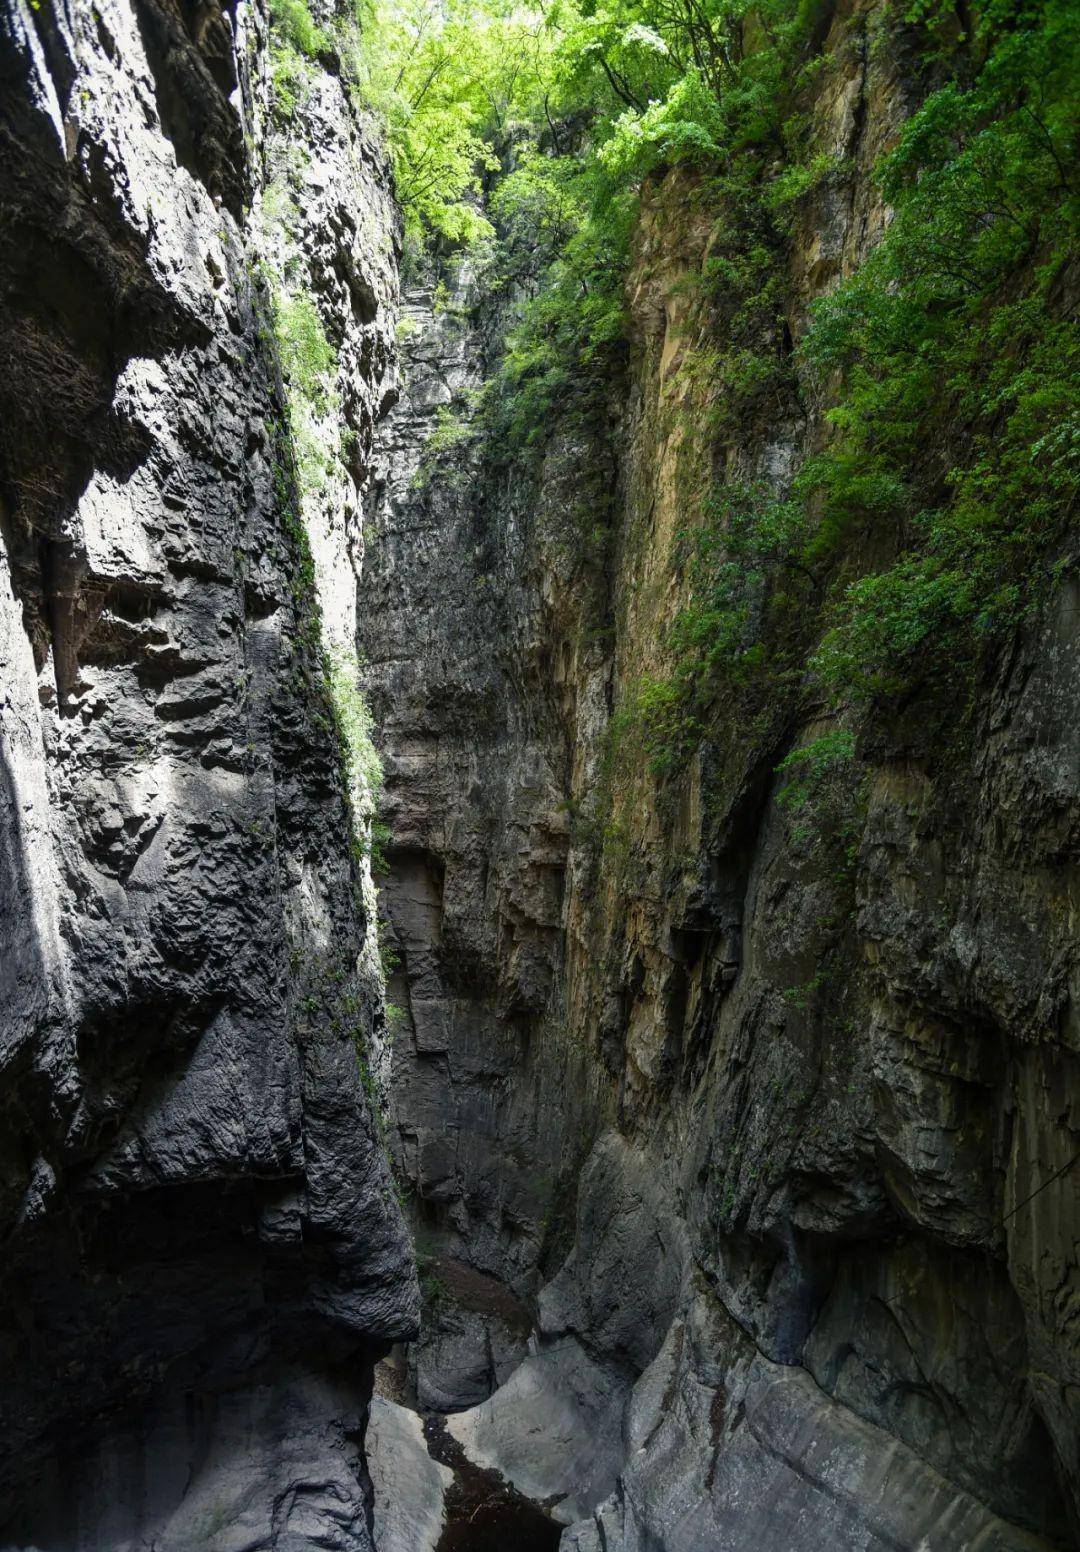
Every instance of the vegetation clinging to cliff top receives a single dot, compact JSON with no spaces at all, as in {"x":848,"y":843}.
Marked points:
{"x":958,"y":424}
{"x":951,"y":356}
{"x":955,"y":426}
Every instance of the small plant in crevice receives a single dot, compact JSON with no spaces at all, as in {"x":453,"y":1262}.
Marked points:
{"x":296,"y":43}
{"x":307,"y":358}
{"x":454,"y":429}
{"x":389,"y":959}
{"x":309,"y":365}
{"x":801,"y":997}
{"x":380,"y":835}
{"x":817,"y":775}
{"x":367,"y":1077}
{"x":329,"y":992}
{"x":363,"y":768}
{"x":432,"y":1288}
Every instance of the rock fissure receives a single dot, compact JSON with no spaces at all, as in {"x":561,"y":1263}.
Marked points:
{"x":453,"y":1096}
{"x":810,"y":1231}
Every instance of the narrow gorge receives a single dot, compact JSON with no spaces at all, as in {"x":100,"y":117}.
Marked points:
{"x":539,"y":776}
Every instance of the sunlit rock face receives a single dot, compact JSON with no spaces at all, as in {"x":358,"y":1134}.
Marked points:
{"x":768,"y":1143}
{"x":739,"y":1167}
{"x":203,"y":1251}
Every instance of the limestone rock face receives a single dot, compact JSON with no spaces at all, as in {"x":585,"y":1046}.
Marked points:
{"x":203,"y":1251}
{"x":456,"y":660}
{"x":409,"y":1486}
{"x":772,"y":1142}
{"x":740,"y":1161}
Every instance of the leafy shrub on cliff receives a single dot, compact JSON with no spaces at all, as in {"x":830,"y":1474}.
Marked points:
{"x":953,"y":358}
{"x":557,"y":116}
{"x":559,"y":357}
{"x":950,"y":476}
{"x":441,"y":75}
{"x":296,"y":40}
{"x":736,"y":636}
{"x":958,"y":425}
{"x":308,"y":363}
{"x":818,"y":785}
{"x":307,"y":357}
{"x":296,"y":27}
{"x":655,"y":85}
{"x":363,"y":769}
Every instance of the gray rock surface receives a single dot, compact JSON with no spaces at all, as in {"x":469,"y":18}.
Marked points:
{"x":712,"y":1446}
{"x":827,"y":1092}
{"x":203,"y":1250}
{"x":739,"y":1161}
{"x":409,"y":1486}
{"x":452,"y":628}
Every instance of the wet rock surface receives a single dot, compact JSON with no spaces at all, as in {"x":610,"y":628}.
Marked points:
{"x":484,"y":1513}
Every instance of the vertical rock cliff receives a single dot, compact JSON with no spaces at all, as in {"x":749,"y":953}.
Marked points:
{"x":203,"y":1253}
{"x":762,"y":1115}
{"x":460,"y":665}
{"x":734,"y":1110}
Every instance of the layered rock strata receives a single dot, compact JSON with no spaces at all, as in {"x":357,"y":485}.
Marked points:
{"x":770,"y":1139}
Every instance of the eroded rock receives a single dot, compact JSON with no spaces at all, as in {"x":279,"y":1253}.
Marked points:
{"x":203,"y":1250}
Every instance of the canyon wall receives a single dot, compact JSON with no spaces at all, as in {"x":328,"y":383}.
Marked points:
{"x":736,"y":1132}
{"x":762,"y":1119}
{"x":204,"y":1254}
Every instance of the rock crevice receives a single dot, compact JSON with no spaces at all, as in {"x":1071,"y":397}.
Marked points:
{"x":751,"y":1124}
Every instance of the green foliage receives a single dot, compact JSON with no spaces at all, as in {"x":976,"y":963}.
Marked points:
{"x":363,"y":766}
{"x":562,"y":249}
{"x":288,"y":82}
{"x":817,"y":772}
{"x":953,"y":357}
{"x":295,"y":26}
{"x":811,"y":765}
{"x":657,"y":84}
{"x":957,"y":430}
{"x":801,"y":178}
{"x":432,"y":1289}
{"x":367,"y":1077}
{"x":734,"y":635}
{"x":389,"y":959}
{"x":823,"y":789}
{"x":928,"y":522}
{"x":308,"y":362}
{"x":380,"y":835}
{"x":657,"y":717}
{"x":560,"y":115}
{"x":453,"y":429}
{"x":441,"y":75}
{"x":307,"y":357}
{"x":450,"y":431}
{"x":295,"y":41}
